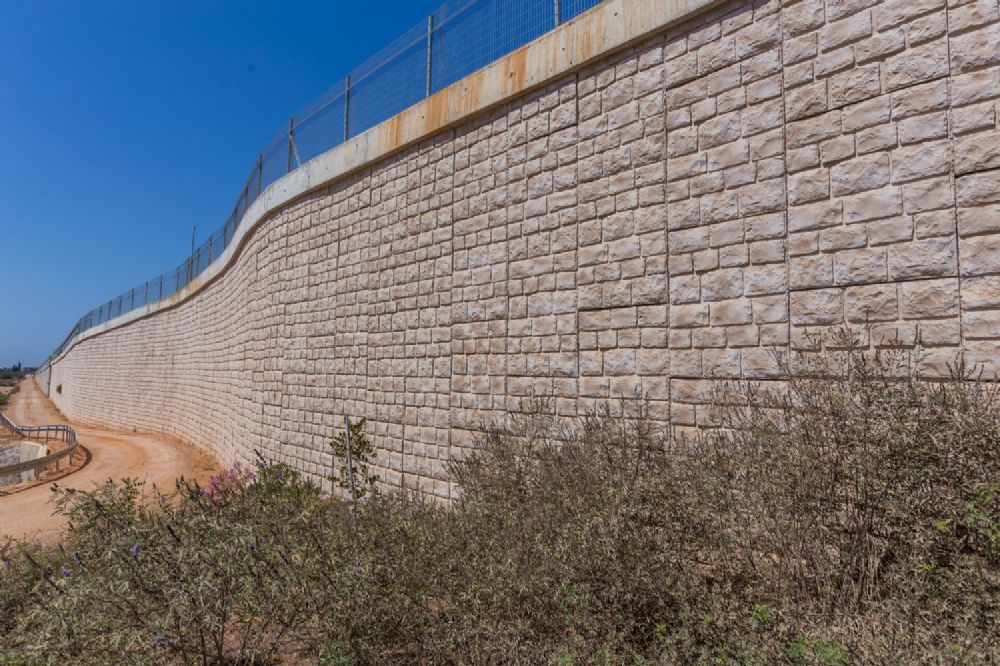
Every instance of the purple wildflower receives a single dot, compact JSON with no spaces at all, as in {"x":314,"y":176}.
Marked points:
{"x":136,"y":549}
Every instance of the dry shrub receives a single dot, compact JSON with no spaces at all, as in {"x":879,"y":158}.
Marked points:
{"x":850,"y":514}
{"x":846,"y":514}
{"x":863,"y":502}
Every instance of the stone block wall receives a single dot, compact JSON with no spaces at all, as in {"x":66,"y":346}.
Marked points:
{"x":652,"y":223}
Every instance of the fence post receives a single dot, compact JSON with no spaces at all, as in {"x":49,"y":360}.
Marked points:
{"x":347,"y":108}
{"x":430,"y":52}
{"x":558,"y":11}
{"x":260,"y":172}
{"x":291,"y":142}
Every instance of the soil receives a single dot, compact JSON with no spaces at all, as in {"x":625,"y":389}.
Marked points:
{"x":113,"y":454}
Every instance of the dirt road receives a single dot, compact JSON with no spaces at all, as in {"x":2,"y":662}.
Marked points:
{"x":156,"y":459}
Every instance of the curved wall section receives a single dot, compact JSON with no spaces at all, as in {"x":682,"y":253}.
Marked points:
{"x":672,"y":214}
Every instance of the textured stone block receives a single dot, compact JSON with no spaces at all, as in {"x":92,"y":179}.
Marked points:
{"x":977,"y":152}
{"x":981,"y":324}
{"x":921,"y":160}
{"x":816,"y":216}
{"x":981,"y":292}
{"x":820,"y":307}
{"x":923,"y":258}
{"x":976,"y":49}
{"x":863,"y":173}
{"x":871,"y":303}
{"x":978,"y":188}
{"x":980,"y":255}
{"x":810,"y":271}
{"x":929,"y":299}
{"x":924,"y":63}
{"x":675,"y":213}
{"x":860,"y":266}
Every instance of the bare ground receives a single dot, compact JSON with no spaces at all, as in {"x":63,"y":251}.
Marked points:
{"x":156,"y":459}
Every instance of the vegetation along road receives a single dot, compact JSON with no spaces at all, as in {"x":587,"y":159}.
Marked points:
{"x":154,"y":459}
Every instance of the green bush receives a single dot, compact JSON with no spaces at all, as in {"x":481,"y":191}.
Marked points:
{"x":850,"y":517}
{"x":11,"y":375}
{"x":6,"y":396}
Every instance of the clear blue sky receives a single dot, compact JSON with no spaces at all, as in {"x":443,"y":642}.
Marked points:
{"x":122,"y":124}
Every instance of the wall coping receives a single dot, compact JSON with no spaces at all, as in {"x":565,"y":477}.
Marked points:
{"x":610,"y":26}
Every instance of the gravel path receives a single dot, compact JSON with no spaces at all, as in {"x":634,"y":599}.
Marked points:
{"x":156,"y":459}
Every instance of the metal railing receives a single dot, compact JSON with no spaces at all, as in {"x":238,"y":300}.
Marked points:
{"x":36,"y":433}
{"x":460,"y":37}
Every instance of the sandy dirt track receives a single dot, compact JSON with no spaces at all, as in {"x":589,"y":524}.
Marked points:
{"x":155,"y":459}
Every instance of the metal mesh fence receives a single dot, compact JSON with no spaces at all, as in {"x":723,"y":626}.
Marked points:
{"x":467,"y":35}
{"x":320,"y":125}
{"x":392,"y":80}
{"x":458,"y":38}
{"x":571,"y":8}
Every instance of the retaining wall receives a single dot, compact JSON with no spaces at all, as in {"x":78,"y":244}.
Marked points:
{"x":19,"y":452}
{"x":670,"y":214}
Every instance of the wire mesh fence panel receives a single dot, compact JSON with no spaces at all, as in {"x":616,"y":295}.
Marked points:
{"x":275,"y":160}
{"x":139,"y":295}
{"x":208,"y":252}
{"x":199,"y":263}
{"x":241,"y":205}
{"x":389,"y":82}
{"x":251,"y":190}
{"x":218,"y":243}
{"x":169,"y":284}
{"x":470,"y":34}
{"x":570,"y":8}
{"x":460,"y":37}
{"x":320,"y":126}
{"x":192,"y":271}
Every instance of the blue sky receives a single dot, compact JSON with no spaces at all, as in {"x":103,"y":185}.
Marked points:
{"x":122,"y":124}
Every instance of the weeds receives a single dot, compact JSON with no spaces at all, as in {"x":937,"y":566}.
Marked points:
{"x":6,"y":396}
{"x":848,"y":516}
